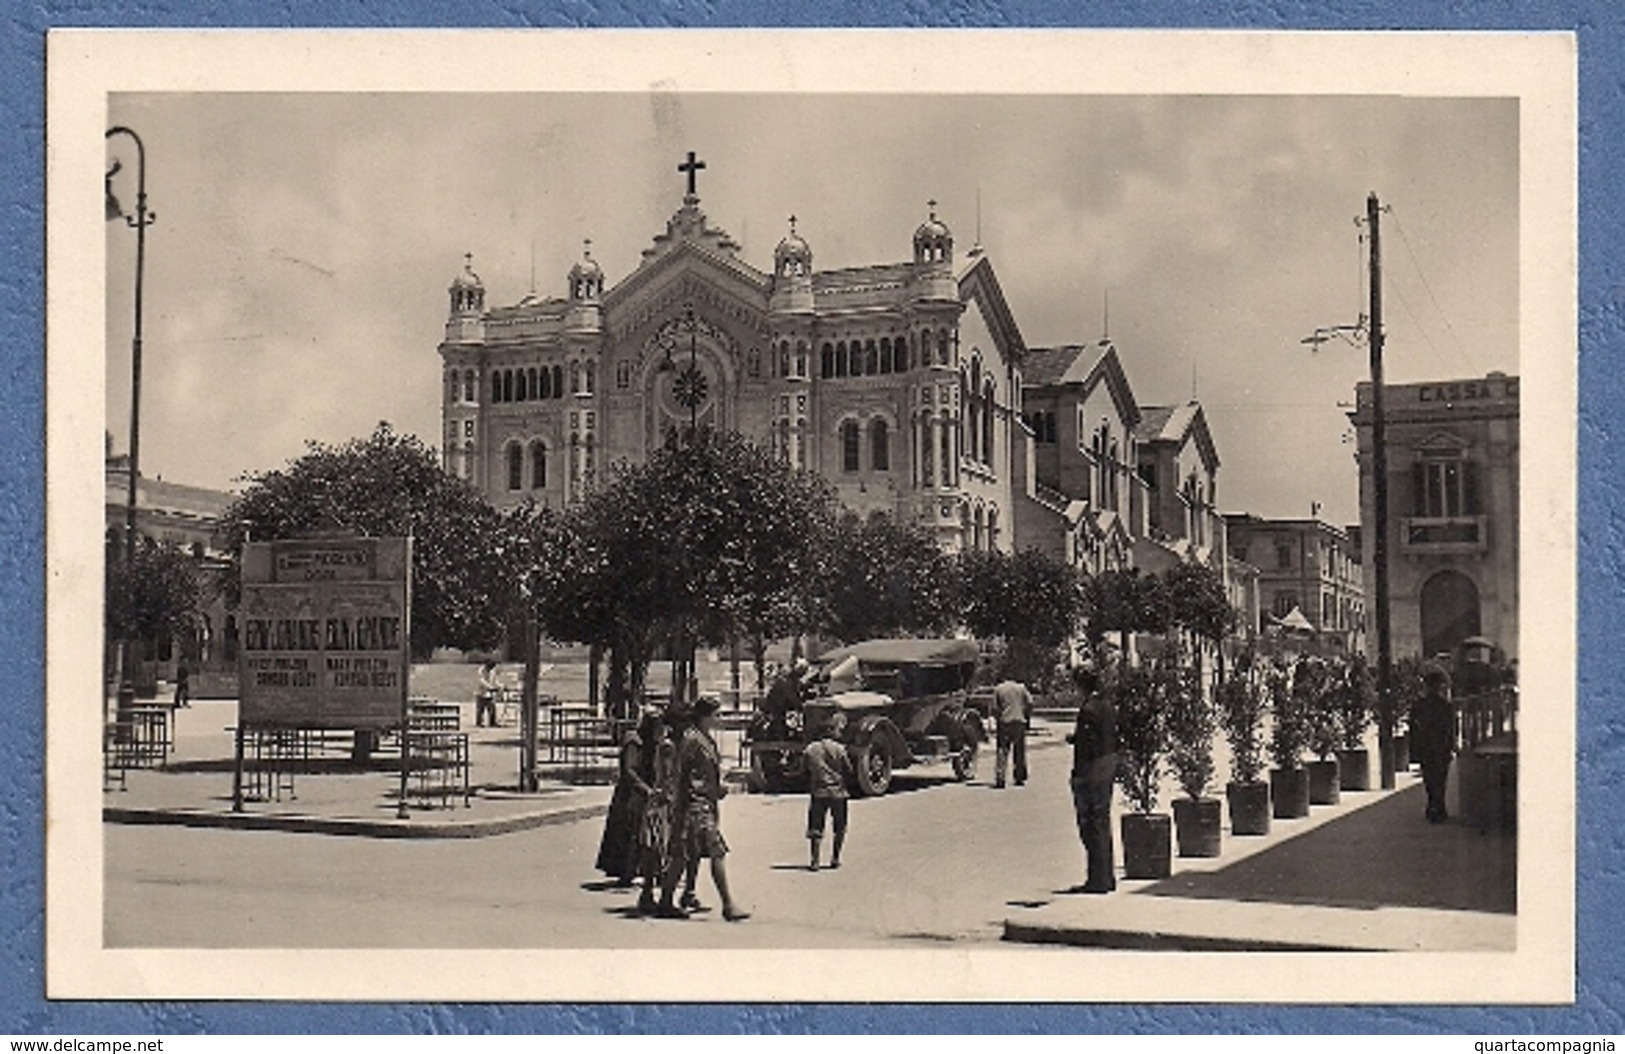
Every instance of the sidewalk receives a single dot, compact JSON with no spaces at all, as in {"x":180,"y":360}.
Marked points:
{"x":1368,"y":874}
{"x":336,"y":796}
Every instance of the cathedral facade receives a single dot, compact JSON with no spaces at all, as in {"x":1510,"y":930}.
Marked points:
{"x":900,"y":382}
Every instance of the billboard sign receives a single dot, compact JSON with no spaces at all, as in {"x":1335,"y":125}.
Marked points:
{"x":325,"y":632}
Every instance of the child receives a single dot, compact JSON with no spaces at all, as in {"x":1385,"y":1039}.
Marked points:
{"x":829,"y":770}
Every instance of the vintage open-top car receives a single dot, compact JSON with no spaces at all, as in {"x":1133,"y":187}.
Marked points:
{"x":906,"y":702}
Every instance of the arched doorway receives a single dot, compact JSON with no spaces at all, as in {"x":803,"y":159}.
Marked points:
{"x":1449,"y":612}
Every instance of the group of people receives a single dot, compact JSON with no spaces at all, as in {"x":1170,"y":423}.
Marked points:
{"x":664,"y":816}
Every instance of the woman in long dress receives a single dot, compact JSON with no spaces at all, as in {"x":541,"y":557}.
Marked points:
{"x":654,"y":833}
{"x":618,"y":855}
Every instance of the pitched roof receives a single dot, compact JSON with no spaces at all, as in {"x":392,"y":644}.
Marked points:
{"x":1066,"y":364}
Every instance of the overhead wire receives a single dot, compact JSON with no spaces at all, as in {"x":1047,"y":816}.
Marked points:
{"x":1416,"y":263}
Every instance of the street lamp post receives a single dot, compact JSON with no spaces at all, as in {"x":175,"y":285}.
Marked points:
{"x":140,"y":221}
{"x":689,"y":389}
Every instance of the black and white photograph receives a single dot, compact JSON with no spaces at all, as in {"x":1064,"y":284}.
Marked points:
{"x":806,"y":515}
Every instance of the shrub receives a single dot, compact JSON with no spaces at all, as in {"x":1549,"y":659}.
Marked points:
{"x":1357,"y":700}
{"x":1142,"y":737}
{"x":1192,"y":723}
{"x":1241,"y":712}
{"x":1289,"y":734}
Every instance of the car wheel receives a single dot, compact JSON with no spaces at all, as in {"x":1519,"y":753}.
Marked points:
{"x":965,"y":760}
{"x":874,"y":768}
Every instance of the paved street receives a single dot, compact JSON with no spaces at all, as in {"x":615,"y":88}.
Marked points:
{"x":934,"y":860}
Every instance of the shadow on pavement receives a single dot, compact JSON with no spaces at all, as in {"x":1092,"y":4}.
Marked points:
{"x":1383,"y":855}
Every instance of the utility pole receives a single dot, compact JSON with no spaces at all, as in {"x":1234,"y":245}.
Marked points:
{"x":1369,"y":328}
{"x":1379,"y":495}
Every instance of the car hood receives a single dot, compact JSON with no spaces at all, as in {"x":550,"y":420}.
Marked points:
{"x":858,"y":700}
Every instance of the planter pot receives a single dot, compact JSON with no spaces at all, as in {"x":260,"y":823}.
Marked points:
{"x":1402,"y":753}
{"x":1354,"y":769}
{"x":1324,"y":788}
{"x":1147,"y":845}
{"x":1197,"y":826}
{"x":1289,"y":793}
{"x":1249,"y":807}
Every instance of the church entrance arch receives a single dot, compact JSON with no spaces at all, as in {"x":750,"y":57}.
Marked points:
{"x":1450,"y":612}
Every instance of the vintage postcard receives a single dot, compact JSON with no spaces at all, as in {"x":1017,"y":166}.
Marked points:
{"x":811,"y":516}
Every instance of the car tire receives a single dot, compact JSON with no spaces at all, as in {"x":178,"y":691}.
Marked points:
{"x":873,"y":768}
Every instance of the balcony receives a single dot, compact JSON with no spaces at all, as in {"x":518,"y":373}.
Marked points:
{"x":1442,"y":535}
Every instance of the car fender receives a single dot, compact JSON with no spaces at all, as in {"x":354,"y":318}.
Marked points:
{"x":879,"y":727}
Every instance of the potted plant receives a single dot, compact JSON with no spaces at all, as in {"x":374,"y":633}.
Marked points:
{"x":1192,"y":724}
{"x":1241,"y":712}
{"x":1356,"y":698}
{"x":1289,"y":734}
{"x":1315,"y":685}
{"x":1142,"y":741}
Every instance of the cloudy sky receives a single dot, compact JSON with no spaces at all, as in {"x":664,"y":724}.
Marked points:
{"x":296,"y":277}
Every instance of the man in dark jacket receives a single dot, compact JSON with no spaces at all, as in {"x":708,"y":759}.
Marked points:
{"x":1094,"y":772}
{"x":1433,"y":738}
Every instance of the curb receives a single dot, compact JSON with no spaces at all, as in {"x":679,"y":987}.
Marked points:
{"x":391,"y":828}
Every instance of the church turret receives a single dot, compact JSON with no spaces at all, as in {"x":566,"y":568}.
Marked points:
{"x":934,"y":259}
{"x":792,"y":274}
{"x":586,"y":286}
{"x":466,"y":319}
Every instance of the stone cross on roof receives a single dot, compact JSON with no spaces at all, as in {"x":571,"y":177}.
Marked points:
{"x":691,"y":168}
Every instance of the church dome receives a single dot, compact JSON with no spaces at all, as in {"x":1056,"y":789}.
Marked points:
{"x":586,"y":277}
{"x":586,"y":266}
{"x":793,"y":255}
{"x":467,"y":292}
{"x":933,"y":241}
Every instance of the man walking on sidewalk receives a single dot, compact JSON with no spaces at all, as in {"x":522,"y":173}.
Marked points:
{"x":1433,"y":738}
{"x":1012,"y":709}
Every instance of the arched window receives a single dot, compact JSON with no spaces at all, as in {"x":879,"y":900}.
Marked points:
{"x":558,"y":382}
{"x":942,"y":348}
{"x":507,"y":386}
{"x":855,"y":350}
{"x":987,"y":423}
{"x":880,"y":446}
{"x":992,"y":528}
{"x":538,"y":465}
{"x":533,"y":388}
{"x":468,"y":386}
{"x":516,"y":467}
{"x":496,"y":387}
{"x":840,"y":359}
{"x":589,"y":378}
{"x":826,"y":361}
{"x":886,"y":360}
{"x":849,"y":446}
{"x":801,"y":359}
{"x":871,"y":361}
{"x":575,"y":377}
{"x":544,"y":384}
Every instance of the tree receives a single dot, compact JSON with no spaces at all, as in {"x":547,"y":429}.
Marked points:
{"x":1125,"y":602}
{"x":155,"y":597}
{"x":1242,"y":706}
{"x":708,"y":541}
{"x":885,"y":579}
{"x":1196,"y":602}
{"x":1032,"y":601}
{"x":389,"y":484}
{"x":1142,"y":734}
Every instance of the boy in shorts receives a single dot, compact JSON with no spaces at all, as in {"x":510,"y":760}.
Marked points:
{"x":829,"y":771}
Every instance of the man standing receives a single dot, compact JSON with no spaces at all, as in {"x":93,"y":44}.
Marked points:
{"x":696,"y":811}
{"x":1094,"y":771}
{"x":485,"y":697}
{"x":1012,"y":709}
{"x":829,"y":772}
{"x":183,"y":686}
{"x":1433,"y":738}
